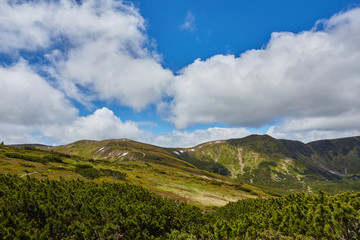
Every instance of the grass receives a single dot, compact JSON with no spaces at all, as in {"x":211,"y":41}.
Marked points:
{"x":257,"y":166}
{"x":168,"y":177}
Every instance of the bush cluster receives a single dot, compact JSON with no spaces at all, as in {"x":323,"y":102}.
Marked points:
{"x":34,"y":158}
{"x":89,"y":171}
{"x":34,"y":209}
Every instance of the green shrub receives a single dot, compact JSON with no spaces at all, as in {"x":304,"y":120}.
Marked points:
{"x":89,"y":171}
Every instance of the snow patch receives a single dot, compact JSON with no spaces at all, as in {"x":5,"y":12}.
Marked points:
{"x":101,"y":149}
{"x":120,"y":154}
{"x":176,"y":152}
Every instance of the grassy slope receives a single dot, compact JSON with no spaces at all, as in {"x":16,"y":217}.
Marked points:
{"x":145,"y":165}
{"x":211,"y":173}
{"x":283,"y":166}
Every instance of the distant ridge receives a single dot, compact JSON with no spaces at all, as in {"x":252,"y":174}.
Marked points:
{"x":279,"y":164}
{"x":256,"y":165}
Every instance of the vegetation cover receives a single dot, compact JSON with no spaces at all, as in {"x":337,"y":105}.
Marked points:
{"x":276,"y":165}
{"x":138,"y":164}
{"x":294,"y":216}
{"x":47,"y":209}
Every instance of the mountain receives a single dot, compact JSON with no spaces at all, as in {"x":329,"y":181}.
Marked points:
{"x":209,"y":174}
{"x":281,"y":165}
{"x":157,"y":169}
{"x":278,"y":165}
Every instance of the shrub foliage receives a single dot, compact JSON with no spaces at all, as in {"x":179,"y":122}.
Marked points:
{"x":45,"y":209}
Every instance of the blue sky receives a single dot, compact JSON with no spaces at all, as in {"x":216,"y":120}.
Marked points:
{"x":222,"y":27}
{"x":178,"y":73}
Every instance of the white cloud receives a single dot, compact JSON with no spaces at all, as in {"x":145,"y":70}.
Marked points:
{"x":27,"y":102}
{"x":102,"y":124}
{"x":313,"y":74}
{"x":39,"y":24}
{"x":310,"y":135}
{"x":189,"y":22}
{"x":190,"y":139}
{"x":21,"y":27}
{"x":135,"y":82}
{"x":26,"y":98}
{"x":99,"y":51}
{"x":11,"y":133}
{"x":317,"y":128}
{"x":103,"y":48}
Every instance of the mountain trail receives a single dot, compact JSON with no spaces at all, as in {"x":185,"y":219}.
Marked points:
{"x":218,"y":155}
{"x":241,"y":163}
{"x":28,"y":174}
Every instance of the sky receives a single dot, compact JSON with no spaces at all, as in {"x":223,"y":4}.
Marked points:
{"x":178,"y":73}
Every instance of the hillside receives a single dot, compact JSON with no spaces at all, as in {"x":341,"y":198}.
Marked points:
{"x":121,"y":161}
{"x":33,"y":209}
{"x":282,"y":165}
{"x":210,"y":174}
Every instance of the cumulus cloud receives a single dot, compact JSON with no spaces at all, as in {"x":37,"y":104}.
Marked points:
{"x":135,"y":82}
{"x":12,"y":133}
{"x":310,"y":135}
{"x":316,"y":128}
{"x":21,"y":27}
{"x":102,"y":124}
{"x":313,"y":74}
{"x":27,"y":102}
{"x":100,"y":46}
{"x":26,"y":98}
{"x":189,"y":139}
{"x":305,"y":84}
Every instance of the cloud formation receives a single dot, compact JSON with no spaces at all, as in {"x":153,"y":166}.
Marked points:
{"x":28,"y":102}
{"x":102,"y":124}
{"x":26,"y":98}
{"x":310,"y":75}
{"x":190,"y":139}
{"x":100,"y":46}
{"x":305,"y":85}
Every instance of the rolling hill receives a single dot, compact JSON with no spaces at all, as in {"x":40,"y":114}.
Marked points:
{"x":127,"y":161}
{"x":278,"y":165}
{"x":282,"y":165}
{"x":210,"y":174}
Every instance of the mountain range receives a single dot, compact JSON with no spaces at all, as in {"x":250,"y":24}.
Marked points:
{"x":208,"y":174}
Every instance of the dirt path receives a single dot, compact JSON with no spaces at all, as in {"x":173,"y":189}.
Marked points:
{"x":28,"y":174}
{"x":239,"y":155}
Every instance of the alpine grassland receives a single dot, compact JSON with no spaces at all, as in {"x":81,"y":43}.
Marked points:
{"x":256,"y":187}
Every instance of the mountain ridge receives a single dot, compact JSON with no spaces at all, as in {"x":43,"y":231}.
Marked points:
{"x":260,"y":159}
{"x":211,"y":173}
